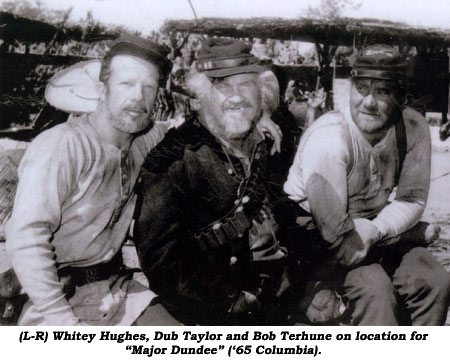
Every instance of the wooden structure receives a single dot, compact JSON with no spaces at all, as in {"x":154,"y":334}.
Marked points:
{"x":339,"y":32}
{"x":31,"y":52}
{"x":430,"y":44}
{"x":16,"y":28}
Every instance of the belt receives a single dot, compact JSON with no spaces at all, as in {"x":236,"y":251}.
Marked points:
{"x":86,"y":275}
{"x":232,"y":228}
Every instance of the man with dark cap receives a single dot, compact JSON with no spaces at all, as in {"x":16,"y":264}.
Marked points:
{"x":207,"y":233}
{"x":75,"y":200}
{"x":343,"y":176}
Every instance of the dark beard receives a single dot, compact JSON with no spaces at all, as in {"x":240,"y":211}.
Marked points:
{"x":134,"y":126}
{"x":131,"y":127}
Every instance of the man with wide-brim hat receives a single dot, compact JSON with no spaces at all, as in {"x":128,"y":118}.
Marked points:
{"x":75,"y":197}
{"x":207,"y":230}
{"x":347,"y":165}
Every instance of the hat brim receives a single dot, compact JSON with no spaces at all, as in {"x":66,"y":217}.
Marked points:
{"x":76,"y":88}
{"x":369,"y":73}
{"x":221,"y":73}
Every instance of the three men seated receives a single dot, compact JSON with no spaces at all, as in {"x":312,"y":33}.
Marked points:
{"x":219,"y":239}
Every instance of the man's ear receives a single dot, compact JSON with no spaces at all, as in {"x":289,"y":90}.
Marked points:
{"x":270,"y":91}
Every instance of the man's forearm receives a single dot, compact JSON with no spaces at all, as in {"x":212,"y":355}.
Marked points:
{"x":39,"y":277}
{"x":398,"y":217}
{"x":319,"y":171}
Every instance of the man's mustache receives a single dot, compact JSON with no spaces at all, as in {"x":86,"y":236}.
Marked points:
{"x":236,"y":106}
{"x":135,"y":108}
{"x":370,"y":113}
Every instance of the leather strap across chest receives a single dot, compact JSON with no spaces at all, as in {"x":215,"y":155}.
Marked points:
{"x":238,"y":220}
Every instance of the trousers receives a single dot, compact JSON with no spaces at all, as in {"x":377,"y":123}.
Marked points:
{"x":397,"y":284}
{"x":406,"y":287}
{"x":156,"y":315}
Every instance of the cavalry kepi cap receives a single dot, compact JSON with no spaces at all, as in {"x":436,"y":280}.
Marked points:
{"x":220,"y":58}
{"x":380,"y":62}
{"x":142,"y":48}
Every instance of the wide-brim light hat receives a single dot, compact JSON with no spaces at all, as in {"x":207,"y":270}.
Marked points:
{"x":76,"y":88}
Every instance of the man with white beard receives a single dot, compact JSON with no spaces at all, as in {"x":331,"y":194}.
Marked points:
{"x":207,"y":232}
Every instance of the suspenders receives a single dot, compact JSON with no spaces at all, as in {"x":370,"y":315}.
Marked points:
{"x":400,"y":136}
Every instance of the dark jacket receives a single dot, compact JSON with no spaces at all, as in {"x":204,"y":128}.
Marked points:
{"x":188,"y":183}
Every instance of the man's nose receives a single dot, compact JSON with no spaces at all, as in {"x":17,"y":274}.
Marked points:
{"x":370,"y":101}
{"x":235,"y":94}
{"x":138,"y":93}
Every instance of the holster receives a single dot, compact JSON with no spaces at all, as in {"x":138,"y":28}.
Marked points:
{"x":11,"y":299}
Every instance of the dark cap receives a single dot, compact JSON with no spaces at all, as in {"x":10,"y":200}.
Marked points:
{"x":144,"y":49}
{"x":220,"y":57}
{"x":380,"y":62}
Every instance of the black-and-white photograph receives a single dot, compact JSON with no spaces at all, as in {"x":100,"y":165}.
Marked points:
{"x":224,"y":163}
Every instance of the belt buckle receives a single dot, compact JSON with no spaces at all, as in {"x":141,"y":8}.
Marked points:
{"x":92,"y":275}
